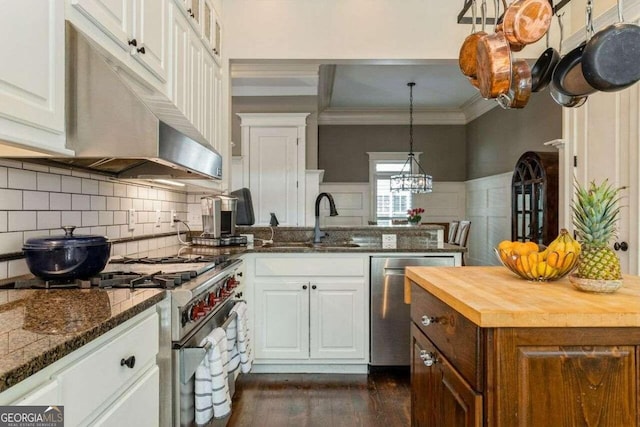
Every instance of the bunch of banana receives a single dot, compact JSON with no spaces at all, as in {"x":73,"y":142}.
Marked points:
{"x":528,"y":261}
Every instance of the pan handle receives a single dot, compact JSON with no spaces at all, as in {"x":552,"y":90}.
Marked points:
{"x":589,"y":17}
{"x":483,"y":14}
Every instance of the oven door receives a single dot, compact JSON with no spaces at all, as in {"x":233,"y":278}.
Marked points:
{"x":187,"y":355}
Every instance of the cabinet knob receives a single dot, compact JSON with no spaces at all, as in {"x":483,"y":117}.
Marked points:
{"x":133,"y":42}
{"x":239,"y":273}
{"x":130,"y":362}
{"x":426,"y":320}
{"x":191,"y":13}
{"x":623,"y":246}
{"x":428,"y":358}
{"x":304,"y":286}
{"x":314,"y":287}
{"x":141,"y":50}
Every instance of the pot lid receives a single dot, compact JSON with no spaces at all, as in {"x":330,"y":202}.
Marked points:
{"x":68,"y":240}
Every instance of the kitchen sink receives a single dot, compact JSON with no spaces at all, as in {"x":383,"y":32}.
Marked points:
{"x":310,"y":245}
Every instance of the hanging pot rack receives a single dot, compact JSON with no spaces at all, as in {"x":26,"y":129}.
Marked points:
{"x":490,"y":21}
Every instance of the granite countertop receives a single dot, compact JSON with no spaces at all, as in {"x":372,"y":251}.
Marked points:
{"x":495,"y":297}
{"x":38,"y":327}
{"x":327,"y":247}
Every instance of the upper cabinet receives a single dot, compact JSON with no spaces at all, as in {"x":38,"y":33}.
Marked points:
{"x":138,"y":26}
{"x":205,"y":20}
{"x":32,"y":77}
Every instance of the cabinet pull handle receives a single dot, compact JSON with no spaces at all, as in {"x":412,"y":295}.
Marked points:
{"x":141,"y":50}
{"x":191,"y":13}
{"x":130,"y":362}
{"x":426,"y":320}
{"x":428,"y":358}
{"x":304,"y":287}
{"x":314,"y":287}
{"x":133,"y":42}
{"x":239,"y":273}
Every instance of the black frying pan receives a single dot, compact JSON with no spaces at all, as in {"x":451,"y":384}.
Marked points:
{"x":568,"y":77}
{"x":611,"y":59}
{"x":542,"y":70}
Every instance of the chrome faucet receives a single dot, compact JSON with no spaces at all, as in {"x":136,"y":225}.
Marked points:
{"x":317,"y":234}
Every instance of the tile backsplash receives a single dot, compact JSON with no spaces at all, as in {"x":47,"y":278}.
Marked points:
{"x":36,"y":200}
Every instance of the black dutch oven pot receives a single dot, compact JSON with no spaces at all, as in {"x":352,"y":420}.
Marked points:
{"x":67,"y":257}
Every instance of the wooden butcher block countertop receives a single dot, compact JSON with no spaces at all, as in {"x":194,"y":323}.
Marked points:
{"x":495,"y":297}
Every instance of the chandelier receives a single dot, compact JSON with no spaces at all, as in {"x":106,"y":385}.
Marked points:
{"x":407,"y":180}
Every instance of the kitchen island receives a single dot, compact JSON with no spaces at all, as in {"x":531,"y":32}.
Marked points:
{"x":492,"y":349}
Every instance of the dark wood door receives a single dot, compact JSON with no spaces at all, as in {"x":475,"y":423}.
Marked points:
{"x":567,"y":377}
{"x":440,"y":397}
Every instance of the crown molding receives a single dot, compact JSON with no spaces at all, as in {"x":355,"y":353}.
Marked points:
{"x":271,"y":70}
{"x":275,"y":91}
{"x":340,"y":116}
{"x":476,"y":107}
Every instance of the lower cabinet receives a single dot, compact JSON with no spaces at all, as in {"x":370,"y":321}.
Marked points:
{"x":463,"y":375}
{"x":114,"y":380}
{"x":309,"y":309}
{"x":316,"y":319}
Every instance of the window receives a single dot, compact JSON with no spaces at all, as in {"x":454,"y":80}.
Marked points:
{"x":386,"y":205}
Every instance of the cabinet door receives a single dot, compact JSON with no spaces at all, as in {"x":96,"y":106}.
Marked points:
{"x":605,"y":136}
{"x":150,"y":33}
{"x":113,"y":16}
{"x":218,"y":102}
{"x":180,"y":76}
{"x":138,"y":406}
{"x":32,"y":71}
{"x":281,"y":320}
{"x":208,"y":98}
{"x":337,"y":320}
{"x":439,"y":395}
{"x":46,"y":394}
{"x":273,"y":173}
{"x":195,"y":80}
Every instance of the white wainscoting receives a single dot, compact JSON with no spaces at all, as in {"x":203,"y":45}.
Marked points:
{"x":352,"y":203}
{"x":446,"y":203}
{"x":489,"y":210}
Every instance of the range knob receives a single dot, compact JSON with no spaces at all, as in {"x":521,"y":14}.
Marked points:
{"x":198,"y":311}
{"x":211,"y":299}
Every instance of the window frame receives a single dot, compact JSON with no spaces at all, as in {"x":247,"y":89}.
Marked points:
{"x":376,"y":158}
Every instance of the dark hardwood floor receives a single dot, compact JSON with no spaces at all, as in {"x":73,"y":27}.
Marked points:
{"x":328,"y":400}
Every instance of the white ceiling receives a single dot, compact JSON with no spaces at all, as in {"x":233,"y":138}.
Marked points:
{"x":438,"y":87}
{"x":367,"y":93}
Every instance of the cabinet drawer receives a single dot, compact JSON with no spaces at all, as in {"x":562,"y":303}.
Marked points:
{"x":301,"y":266}
{"x":97,"y":377}
{"x":457,"y":338}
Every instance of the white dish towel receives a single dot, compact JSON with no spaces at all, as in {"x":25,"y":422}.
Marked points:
{"x":238,"y":342}
{"x":211,"y":385}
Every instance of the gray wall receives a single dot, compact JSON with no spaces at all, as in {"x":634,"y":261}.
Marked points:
{"x":342,"y":149}
{"x":498,"y":138}
{"x":278,"y":104}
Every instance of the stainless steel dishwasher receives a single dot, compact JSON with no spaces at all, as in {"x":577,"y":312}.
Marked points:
{"x":390,"y":317}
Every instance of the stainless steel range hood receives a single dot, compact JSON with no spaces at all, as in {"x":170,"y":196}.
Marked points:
{"x":113,"y":131}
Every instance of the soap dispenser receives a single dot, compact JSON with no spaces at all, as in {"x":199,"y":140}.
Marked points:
{"x":274,"y":221}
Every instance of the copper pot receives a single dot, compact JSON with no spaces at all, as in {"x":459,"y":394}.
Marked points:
{"x":494,"y":65}
{"x":527,"y":21}
{"x":520,"y":89}
{"x":467,"y":58}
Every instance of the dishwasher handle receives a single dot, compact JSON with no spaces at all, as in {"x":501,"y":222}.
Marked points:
{"x":393,"y":271}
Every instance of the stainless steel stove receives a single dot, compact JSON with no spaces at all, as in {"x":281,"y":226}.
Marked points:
{"x":210,"y":285}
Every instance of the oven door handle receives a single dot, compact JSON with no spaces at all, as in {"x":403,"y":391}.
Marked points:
{"x":191,"y":357}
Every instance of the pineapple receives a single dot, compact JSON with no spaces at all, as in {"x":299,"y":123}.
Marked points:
{"x":595,"y":213}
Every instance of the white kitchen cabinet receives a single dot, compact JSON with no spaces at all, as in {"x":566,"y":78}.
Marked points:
{"x":310,"y":320}
{"x":139,"y":27}
{"x":194,"y":57}
{"x":127,"y":410}
{"x":281,"y":320}
{"x":181,"y":74}
{"x":309,"y":309}
{"x":94,"y":384}
{"x":32,"y":76}
{"x":211,"y":28}
{"x":273,"y":146}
